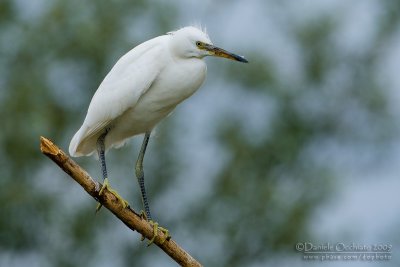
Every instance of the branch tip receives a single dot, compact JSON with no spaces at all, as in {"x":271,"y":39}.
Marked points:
{"x":47,"y":146}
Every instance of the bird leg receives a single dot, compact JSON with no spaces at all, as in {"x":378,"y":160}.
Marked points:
{"x":140,"y":176}
{"x":106,"y":184}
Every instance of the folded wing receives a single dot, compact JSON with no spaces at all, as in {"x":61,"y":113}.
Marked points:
{"x":121,"y":89}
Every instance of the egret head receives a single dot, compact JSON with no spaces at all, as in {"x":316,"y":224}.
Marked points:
{"x":192,"y":42}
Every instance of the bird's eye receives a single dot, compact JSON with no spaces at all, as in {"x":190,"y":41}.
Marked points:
{"x":198,"y":43}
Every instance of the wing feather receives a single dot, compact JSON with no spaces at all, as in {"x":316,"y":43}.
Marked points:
{"x":120,"y":90}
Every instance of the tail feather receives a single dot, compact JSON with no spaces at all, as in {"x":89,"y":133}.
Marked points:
{"x":73,"y":146}
{"x":81,"y":145}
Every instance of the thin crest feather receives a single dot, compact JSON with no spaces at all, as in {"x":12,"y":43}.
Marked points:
{"x":196,"y":25}
{"x":199,"y":26}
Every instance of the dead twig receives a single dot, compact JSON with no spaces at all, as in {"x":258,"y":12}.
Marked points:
{"x":128,"y":216}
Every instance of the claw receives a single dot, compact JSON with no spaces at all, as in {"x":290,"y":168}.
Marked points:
{"x":155,"y":232}
{"x":156,"y":227}
{"x":166,"y":233}
{"x":143,"y":216}
{"x":106,"y":184}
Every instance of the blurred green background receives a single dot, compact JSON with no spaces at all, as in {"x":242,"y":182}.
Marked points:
{"x":300,"y":145}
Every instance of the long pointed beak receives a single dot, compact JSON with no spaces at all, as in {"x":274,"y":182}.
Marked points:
{"x":219,"y":52}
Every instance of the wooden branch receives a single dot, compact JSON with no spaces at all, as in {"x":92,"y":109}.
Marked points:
{"x":128,"y":216}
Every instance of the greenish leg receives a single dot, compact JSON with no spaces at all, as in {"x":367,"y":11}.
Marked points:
{"x":106,"y":184}
{"x":140,"y":176}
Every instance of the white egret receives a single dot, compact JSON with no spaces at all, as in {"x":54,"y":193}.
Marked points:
{"x":143,"y":87}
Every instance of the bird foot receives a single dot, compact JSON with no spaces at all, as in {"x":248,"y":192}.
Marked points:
{"x":106,"y":184}
{"x":156,"y":228}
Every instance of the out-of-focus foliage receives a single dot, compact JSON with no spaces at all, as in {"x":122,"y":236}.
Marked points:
{"x":53,"y":55}
{"x":266,"y":193}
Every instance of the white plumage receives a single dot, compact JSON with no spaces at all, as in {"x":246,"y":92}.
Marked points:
{"x":143,"y":87}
